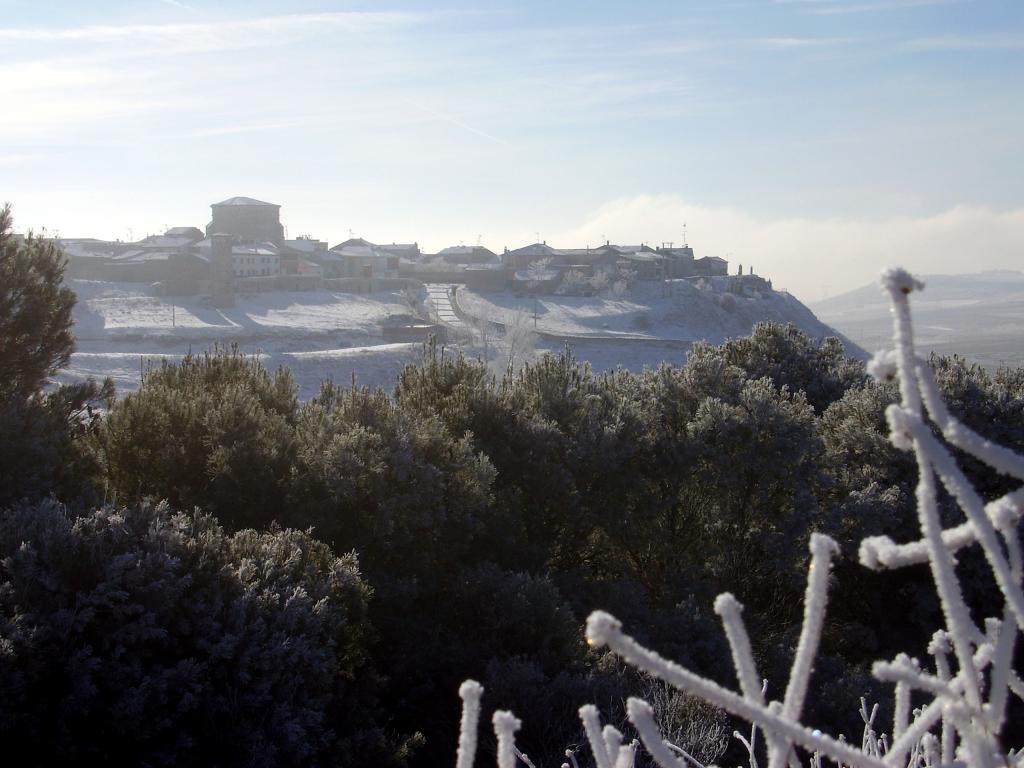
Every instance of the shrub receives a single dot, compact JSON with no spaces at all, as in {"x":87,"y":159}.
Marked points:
{"x":136,"y":636}
{"x":790,"y":358}
{"x":214,"y":430}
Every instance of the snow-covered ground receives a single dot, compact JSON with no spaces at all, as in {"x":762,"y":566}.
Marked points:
{"x":107,"y":310}
{"x":122,"y":329}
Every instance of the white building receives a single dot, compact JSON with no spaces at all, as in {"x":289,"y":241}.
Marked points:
{"x":255,"y":260}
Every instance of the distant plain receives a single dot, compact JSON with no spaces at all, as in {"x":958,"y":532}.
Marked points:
{"x":978,"y":316}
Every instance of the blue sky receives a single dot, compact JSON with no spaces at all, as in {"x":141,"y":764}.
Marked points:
{"x":818,"y":140}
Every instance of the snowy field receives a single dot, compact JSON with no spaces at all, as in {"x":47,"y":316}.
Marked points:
{"x":373,"y":366}
{"x":122,"y":329}
{"x":109,"y":310}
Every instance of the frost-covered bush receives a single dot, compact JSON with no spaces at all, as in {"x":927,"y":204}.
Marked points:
{"x":136,"y":636}
{"x":789,"y":358}
{"x":213,"y":430}
{"x":574,"y":283}
{"x":398,"y":489}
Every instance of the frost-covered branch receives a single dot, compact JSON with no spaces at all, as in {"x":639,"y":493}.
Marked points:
{"x":603,"y":629}
{"x":470,"y":692}
{"x":505,"y":726}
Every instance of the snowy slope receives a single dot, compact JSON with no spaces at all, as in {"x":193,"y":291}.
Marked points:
{"x":688,"y":314}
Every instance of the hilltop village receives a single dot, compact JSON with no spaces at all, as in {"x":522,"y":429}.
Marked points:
{"x":363,"y":309}
{"x":244,"y":249}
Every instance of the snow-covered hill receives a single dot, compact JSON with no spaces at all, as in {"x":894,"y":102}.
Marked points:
{"x":121,"y":328}
{"x":649,"y":325}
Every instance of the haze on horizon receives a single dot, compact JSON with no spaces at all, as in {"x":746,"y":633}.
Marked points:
{"x":816,"y":140}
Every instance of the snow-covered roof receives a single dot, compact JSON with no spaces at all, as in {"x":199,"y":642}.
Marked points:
{"x":254,"y":249}
{"x":304,"y":245}
{"x":88,"y":246}
{"x":713,"y":258}
{"x":168,"y":241}
{"x":194,"y":232}
{"x":464,"y":250}
{"x":243,"y":201}
{"x":351,"y":241}
{"x":638,"y":256}
{"x":468,"y":254}
{"x":139,"y":256}
{"x":240,"y":248}
{"x":641,"y":248}
{"x":360,"y":252}
{"x":535,"y":249}
{"x":77,"y":250}
{"x":400,"y":248}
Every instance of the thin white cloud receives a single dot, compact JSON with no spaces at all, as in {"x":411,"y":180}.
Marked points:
{"x":801,"y":43}
{"x":966,"y":43}
{"x":881,"y":6}
{"x":87,"y":83}
{"x":207,"y":31}
{"x":816,"y":257}
{"x":454,"y":121}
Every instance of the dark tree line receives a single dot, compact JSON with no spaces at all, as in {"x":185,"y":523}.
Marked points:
{"x":489,"y":516}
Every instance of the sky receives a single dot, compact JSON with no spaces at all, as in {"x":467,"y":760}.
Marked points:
{"x":817,"y":141}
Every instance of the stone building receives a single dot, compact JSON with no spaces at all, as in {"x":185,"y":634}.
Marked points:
{"x":247,"y":219}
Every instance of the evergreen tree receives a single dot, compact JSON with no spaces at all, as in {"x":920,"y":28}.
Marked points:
{"x":35,"y":312}
{"x":41,"y":450}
